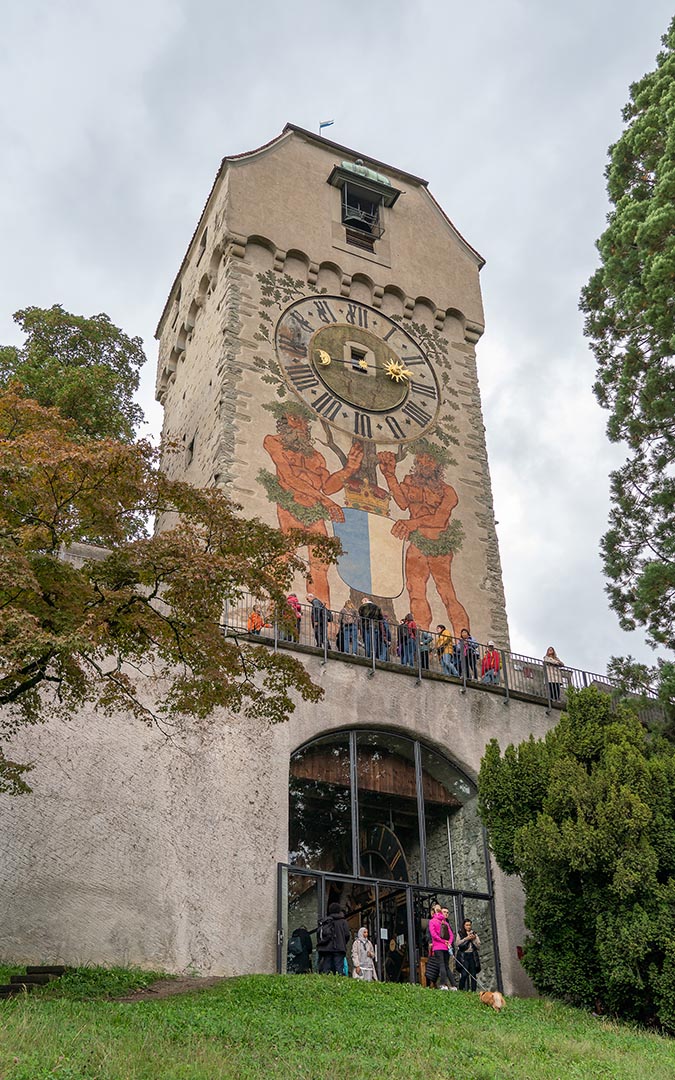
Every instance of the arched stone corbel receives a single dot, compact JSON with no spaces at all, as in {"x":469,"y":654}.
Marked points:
{"x":378,"y":293}
{"x":312,"y":273}
{"x":472,"y":332}
{"x":439,"y":319}
{"x":236,"y":244}
{"x":279,"y":260}
{"x":408,"y":307}
{"x":345,"y":285}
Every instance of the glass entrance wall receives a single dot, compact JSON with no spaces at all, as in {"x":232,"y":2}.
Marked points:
{"x":396,"y":916}
{"x":320,"y":806}
{"x":300,"y":908}
{"x":423,"y":899}
{"x":454,"y":832}
{"x":389,"y":837}
{"x":381,"y":805}
{"x":387,"y":825}
{"x":479,"y":911}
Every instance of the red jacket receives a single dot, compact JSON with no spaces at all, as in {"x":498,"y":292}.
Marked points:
{"x":293,"y":602}
{"x":490,"y":661}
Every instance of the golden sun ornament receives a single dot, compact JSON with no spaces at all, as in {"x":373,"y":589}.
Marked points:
{"x":396,"y":371}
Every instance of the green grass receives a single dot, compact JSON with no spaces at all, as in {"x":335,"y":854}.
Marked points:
{"x":311,"y":1027}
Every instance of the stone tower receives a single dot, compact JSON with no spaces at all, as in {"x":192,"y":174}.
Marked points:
{"x":317,"y":360}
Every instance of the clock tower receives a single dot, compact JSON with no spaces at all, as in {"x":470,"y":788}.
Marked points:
{"x":317,"y":360}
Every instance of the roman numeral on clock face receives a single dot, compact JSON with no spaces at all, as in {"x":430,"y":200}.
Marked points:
{"x":302,"y":376}
{"x":324,"y":311}
{"x":362,"y":425}
{"x":416,"y":413}
{"x":299,"y":320}
{"x":420,"y":388}
{"x":328,"y":406}
{"x":394,"y":427}
{"x":357,"y":316}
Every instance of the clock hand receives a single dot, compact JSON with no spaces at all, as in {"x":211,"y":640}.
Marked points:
{"x":396,"y":371}
{"x":324,"y":359}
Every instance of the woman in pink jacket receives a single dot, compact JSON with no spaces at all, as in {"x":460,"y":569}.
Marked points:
{"x":441,"y":940}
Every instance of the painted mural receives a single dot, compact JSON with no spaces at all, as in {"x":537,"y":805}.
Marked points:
{"x":360,"y":446}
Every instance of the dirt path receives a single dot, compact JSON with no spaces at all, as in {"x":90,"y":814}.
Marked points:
{"x":164,"y":988}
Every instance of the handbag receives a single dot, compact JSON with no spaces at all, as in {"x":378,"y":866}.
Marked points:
{"x":433,"y":969}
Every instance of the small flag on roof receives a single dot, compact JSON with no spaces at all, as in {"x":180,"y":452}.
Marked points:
{"x":325,"y":123}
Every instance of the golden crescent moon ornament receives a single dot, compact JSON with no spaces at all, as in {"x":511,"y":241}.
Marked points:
{"x":323,"y":357}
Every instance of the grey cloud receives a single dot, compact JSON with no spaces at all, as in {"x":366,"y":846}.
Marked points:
{"x":114,"y":121}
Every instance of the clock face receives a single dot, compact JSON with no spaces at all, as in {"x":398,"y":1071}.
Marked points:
{"x":357,"y":369}
{"x":382,"y":854}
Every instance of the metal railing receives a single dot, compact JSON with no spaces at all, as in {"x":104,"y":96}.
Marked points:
{"x":422,"y":653}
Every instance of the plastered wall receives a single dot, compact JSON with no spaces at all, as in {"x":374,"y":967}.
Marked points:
{"x":138,"y":848}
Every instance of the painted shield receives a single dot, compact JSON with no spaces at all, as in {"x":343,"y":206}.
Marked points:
{"x":373,"y":559}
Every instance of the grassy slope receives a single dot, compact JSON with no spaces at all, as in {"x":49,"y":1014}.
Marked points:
{"x":314,"y":1028}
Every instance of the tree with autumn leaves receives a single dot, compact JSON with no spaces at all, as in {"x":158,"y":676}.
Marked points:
{"x":146,"y":613}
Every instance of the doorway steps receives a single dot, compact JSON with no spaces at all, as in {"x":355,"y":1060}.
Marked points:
{"x":36,"y":975}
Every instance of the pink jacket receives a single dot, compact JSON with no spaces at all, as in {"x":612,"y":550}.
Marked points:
{"x":440,"y":944}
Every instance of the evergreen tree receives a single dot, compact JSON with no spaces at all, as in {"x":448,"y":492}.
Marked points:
{"x":586,"y":817}
{"x":629,"y":305}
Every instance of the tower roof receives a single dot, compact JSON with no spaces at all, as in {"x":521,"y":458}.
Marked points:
{"x":362,"y":163}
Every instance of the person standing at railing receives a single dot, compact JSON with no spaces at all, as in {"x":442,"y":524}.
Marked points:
{"x":292,"y":617}
{"x":320,"y":616}
{"x":255,"y":621}
{"x":553,"y":666}
{"x":491,"y":664}
{"x":425,"y":642}
{"x":466,"y":651}
{"x":349,"y":628}
{"x":407,"y":634}
{"x":445,"y":650}
{"x":370,"y":616}
{"x":385,"y":639}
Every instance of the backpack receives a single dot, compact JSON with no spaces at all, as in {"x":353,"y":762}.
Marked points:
{"x":295,"y":946}
{"x":325,"y":934}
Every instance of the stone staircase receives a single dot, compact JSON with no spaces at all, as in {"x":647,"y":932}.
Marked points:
{"x":35,"y":976}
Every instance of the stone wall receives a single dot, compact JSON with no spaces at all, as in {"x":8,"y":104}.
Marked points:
{"x":135,"y":848}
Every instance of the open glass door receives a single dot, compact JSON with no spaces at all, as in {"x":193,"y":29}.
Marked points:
{"x":299,"y":907}
{"x":394,"y":933}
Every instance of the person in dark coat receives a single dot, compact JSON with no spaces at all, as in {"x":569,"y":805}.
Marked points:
{"x":299,"y":952}
{"x":467,"y":956}
{"x":333,"y":952}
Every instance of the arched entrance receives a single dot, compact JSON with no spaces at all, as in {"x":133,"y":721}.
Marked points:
{"x":384,"y":825}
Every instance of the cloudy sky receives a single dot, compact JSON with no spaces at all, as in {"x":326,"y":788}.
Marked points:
{"x":113,"y":121}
